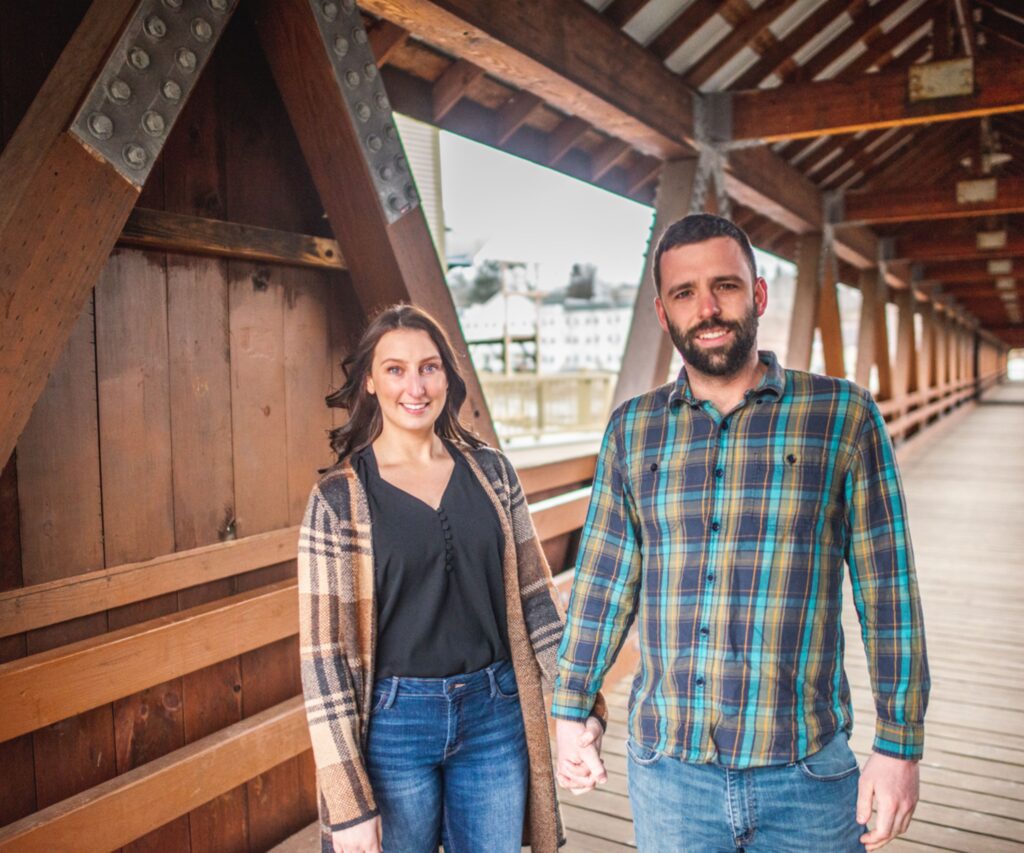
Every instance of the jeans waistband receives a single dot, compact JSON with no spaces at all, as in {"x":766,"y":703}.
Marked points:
{"x":469,"y":682}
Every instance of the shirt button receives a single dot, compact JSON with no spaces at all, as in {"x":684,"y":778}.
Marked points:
{"x":704,"y":631}
{"x":719,"y":472}
{"x":699,"y":681}
{"x":654,"y":466}
{"x":711,"y":577}
{"x":716,"y":526}
{"x":725,"y":426}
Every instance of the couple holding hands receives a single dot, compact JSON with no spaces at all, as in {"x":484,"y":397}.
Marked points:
{"x":724,"y":507}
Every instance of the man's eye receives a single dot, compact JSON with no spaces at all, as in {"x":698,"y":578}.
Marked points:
{"x":683,"y":294}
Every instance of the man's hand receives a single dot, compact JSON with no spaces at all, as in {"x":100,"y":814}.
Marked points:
{"x":579,"y":764}
{"x":894,"y":785}
{"x":362,"y":838}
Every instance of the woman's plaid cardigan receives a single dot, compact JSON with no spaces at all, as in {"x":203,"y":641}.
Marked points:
{"x":337,"y":625}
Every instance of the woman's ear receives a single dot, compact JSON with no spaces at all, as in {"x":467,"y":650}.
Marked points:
{"x":369,"y":386}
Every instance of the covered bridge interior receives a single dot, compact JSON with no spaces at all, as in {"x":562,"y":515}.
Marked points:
{"x":202,"y":201}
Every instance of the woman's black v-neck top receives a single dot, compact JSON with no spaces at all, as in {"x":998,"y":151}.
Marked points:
{"x":438,"y":575}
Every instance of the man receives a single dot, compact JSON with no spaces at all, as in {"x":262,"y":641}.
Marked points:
{"x":724,"y":506}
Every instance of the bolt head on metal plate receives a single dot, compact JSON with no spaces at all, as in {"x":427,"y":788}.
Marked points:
{"x":202,"y":30}
{"x":119,"y":91}
{"x":101,"y":126}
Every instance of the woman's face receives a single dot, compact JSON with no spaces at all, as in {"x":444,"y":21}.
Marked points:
{"x":408,"y":379}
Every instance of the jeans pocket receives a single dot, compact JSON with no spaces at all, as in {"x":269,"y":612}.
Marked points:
{"x":640,"y":754}
{"x":832,"y":762}
{"x":505,"y":684}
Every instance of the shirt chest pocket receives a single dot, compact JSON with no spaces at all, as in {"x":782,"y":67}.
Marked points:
{"x":669,"y":489}
{"x":786,"y":490}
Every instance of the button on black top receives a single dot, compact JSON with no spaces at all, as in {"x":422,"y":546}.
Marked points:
{"x":704,"y":631}
{"x":438,"y":576}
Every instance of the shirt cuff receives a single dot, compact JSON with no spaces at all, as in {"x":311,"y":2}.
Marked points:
{"x":570,"y":705}
{"x":896,"y":741}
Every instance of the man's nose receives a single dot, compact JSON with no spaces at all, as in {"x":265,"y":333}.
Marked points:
{"x":709,"y":306}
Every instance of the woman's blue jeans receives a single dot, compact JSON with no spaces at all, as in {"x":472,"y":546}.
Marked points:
{"x":805,"y":807}
{"x":447,"y":761}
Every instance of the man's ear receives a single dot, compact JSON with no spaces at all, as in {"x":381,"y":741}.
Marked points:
{"x":659,"y":309}
{"x":760,"y":295}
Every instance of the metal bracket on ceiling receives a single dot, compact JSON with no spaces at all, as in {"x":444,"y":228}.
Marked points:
{"x":712,"y":128}
{"x":128,"y":113}
{"x":362,"y":90}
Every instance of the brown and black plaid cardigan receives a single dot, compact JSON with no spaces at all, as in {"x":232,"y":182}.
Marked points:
{"x":337,"y":629}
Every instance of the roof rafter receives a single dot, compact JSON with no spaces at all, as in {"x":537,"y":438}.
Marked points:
{"x":930,"y":202}
{"x":870,"y":102}
{"x":575,"y":60}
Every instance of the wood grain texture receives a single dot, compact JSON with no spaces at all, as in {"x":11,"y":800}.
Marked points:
{"x":134,"y":803}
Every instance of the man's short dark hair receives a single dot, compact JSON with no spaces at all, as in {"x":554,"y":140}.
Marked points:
{"x":698,"y":228}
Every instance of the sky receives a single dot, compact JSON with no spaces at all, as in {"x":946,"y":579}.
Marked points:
{"x":526,"y":212}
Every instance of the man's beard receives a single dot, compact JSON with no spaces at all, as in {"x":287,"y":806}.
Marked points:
{"x":726,"y":360}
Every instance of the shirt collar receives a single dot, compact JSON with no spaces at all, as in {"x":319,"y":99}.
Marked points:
{"x":772,"y":384}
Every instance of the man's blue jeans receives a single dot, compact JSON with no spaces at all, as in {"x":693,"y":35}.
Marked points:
{"x":806,"y":807}
{"x":447,"y":761}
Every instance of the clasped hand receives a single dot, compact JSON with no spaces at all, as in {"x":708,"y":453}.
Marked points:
{"x":578,"y":745}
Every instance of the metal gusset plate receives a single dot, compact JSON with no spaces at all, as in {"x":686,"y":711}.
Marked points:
{"x":355,"y":69}
{"x":128,"y":114}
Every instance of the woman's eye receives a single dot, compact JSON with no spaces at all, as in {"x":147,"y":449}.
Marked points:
{"x":394,"y":371}
{"x":430,"y":368}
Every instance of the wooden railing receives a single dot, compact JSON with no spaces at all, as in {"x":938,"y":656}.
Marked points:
{"x":44,"y":688}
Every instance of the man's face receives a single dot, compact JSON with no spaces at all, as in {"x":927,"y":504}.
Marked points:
{"x":709,"y":304}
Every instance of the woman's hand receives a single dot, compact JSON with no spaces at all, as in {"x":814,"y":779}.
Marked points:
{"x":362,"y":838}
{"x":578,"y":745}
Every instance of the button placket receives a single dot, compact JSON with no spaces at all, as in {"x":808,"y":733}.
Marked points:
{"x":449,"y":551}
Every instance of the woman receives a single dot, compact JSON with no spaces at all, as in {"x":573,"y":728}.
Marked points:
{"x":427,"y":617}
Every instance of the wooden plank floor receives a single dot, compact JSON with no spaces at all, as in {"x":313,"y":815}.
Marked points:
{"x":965,"y":490}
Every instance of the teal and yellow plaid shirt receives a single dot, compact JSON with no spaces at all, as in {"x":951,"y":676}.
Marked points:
{"x":725,"y":538}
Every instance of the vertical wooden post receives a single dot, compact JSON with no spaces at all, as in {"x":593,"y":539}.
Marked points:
{"x":906,"y":350}
{"x":868,"y":285}
{"x":926,"y":362}
{"x":648,"y":350}
{"x":829,"y":322}
{"x":883,"y":354}
{"x":343,"y":122}
{"x":805,"y":302}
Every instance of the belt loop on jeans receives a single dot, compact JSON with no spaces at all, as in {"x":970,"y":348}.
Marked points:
{"x":493,"y":681}
{"x":392,"y":693}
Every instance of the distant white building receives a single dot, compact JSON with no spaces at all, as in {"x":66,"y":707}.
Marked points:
{"x":571,"y":335}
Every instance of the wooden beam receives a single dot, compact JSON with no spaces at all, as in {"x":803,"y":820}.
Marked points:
{"x":782,"y":50}
{"x":830,"y":324}
{"x":870,"y":293}
{"x":514,"y":114}
{"x":740,"y":36}
{"x":390,"y":254}
{"x":546,"y":47}
{"x":684,"y":25}
{"x":564,"y":137}
{"x":129,"y":806}
{"x":607,"y":157}
{"x":195,"y":235}
{"x":876,"y":206}
{"x":648,"y":351}
{"x":453,"y":84}
{"x":800,"y":110}
{"x":565,"y":53}
{"x":386,"y":39}
{"x":805,"y":302}
{"x":44,"y":688}
{"x":64,"y":203}
{"x":880,"y":48}
{"x":621,"y":12}
{"x":951,"y":272}
{"x":560,"y":515}
{"x":38,"y":605}
{"x":865,"y":20}
{"x":955,"y":247}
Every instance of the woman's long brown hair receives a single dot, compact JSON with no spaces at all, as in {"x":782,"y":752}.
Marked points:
{"x":364,"y":418}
